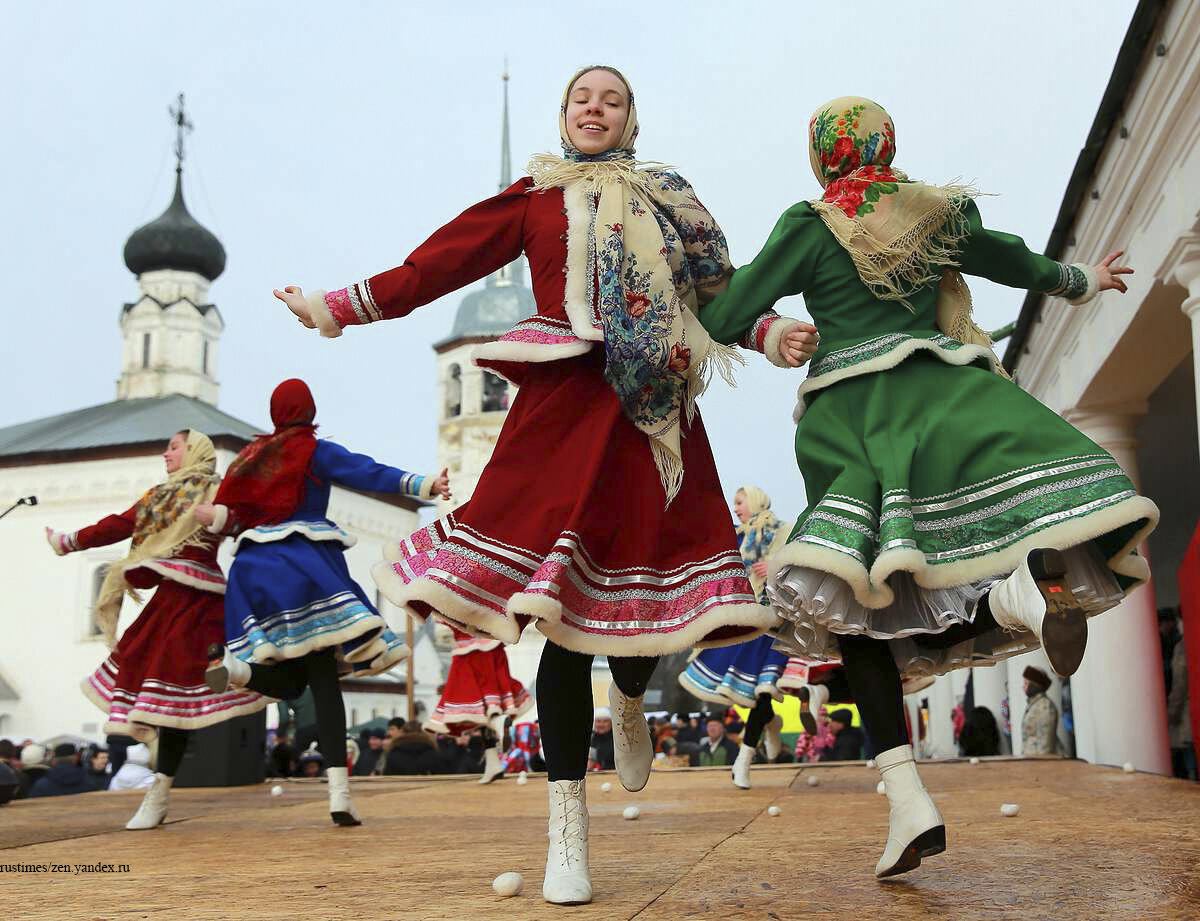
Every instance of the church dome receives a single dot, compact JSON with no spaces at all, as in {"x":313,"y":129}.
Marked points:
{"x":493,"y":310}
{"x":175,"y":240}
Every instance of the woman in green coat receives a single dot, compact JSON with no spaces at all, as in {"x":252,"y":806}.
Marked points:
{"x":953,"y":520}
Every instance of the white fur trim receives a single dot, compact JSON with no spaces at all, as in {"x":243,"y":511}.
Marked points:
{"x":267,"y":534}
{"x":871,"y":589}
{"x":174,"y":575}
{"x":526,"y":352}
{"x":965,"y":355}
{"x":318,"y":312}
{"x":57,"y":543}
{"x":269,"y":653}
{"x":141,"y":724}
{"x":773,"y":339}
{"x":712,"y":697}
{"x":220,"y":519}
{"x":451,"y":608}
{"x":427,"y":486}
{"x":1093,"y":287}
{"x":575,"y":299}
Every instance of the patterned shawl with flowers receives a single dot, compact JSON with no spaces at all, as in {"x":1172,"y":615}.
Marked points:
{"x":164,"y":526}
{"x":901,"y":234}
{"x":643,"y":253}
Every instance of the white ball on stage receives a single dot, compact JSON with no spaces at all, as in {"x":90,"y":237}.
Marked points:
{"x":1010,"y":809}
{"x":508,"y":884}
{"x":871,"y":763}
{"x":631,"y":812}
{"x":605,"y":787}
{"x":774,"y":810}
{"x":277,"y":790}
{"x":1128,"y":767}
{"x":974,"y":760}
{"x":522,"y":779}
{"x":812,"y":780}
{"x":880,"y":788}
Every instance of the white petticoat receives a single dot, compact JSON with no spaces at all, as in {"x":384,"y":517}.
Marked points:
{"x":815,"y":606}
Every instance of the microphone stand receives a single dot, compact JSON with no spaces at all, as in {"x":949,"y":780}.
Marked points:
{"x":24,"y":500}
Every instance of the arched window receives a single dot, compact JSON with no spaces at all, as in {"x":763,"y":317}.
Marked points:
{"x":495,"y":392}
{"x":98,"y":575}
{"x":453,"y":392}
{"x":145,"y":350}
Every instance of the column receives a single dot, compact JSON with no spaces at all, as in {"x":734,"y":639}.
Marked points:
{"x":1184,"y":268}
{"x":1117,"y":694}
{"x":940,"y":695}
{"x":991,"y":687}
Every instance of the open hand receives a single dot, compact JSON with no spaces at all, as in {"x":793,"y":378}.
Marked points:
{"x":441,"y":484}
{"x":293,"y":296}
{"x":205,"y":513}
{"x":799,"y":344}
{"x":760,"y":570}
{"x":1108,"y":274}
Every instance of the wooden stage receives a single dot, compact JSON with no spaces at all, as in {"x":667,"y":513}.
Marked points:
{"x":1090,"y":843}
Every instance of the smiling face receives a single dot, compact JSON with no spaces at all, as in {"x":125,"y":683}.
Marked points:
{"x":597,"y":109}
{"x":740,"y":507}
{"x":176,"y":447}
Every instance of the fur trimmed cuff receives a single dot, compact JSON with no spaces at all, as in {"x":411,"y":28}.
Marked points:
{"x":220,"y":519}
{"x":426,"y":491}
{"x":1093,"y":285}
{"x":60,"y":543}
{"x":773,"y":339}
{"x":318,"y":312}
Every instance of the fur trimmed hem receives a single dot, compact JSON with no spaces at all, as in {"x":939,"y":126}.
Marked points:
{"x":319,"y":313}
{"x":702,"y":693}
{"x":527,"y":352}
{"x":312,"y":530}
{"x":268,"y":653}
{"x":448,"y":607}
{"x":174,"y":575}
{"x":142,"y":725}
{"x":872,"y":591}
{"x":964,"y":355}
{"x":475,"y":719}
{"x":774,"y":337}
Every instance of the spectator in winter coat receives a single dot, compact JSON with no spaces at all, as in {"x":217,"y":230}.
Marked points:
{"x":371,"y":759}
{"x":980,"y":737}
{"x":717,"y":748}
{"x":66,"y":775}
{"x":847,"y":738}
{"x":1039,"y":728}
{"x":34,"y":767}
{"x":603,"y":756}
{"x":412,"y":751}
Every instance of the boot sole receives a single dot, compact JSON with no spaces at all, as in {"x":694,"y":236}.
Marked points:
{"x":1064,"y":628}
{"x":807,"y":720}
{"x":216,"y":676}
{"x":344,"y":819}
{"x":926,"y":844}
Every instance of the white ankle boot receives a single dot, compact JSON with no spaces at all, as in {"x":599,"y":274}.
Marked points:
{"x":225,"y":670}
{"x":153,"y":809}
{"x":341,"y":807}
{"x":772,"y":738}
{"x":812,"y":698}
{"x":741,"y":767}
{"x":915,"y":827}
{"x":492,"y":768}
{"x":1037,"y":598}
{"x":567,"y":879}
{"x":633,"y":749}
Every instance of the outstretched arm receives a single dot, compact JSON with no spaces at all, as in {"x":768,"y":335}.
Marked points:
{"x":1004,"y":258}
{"x":358,"y":471}
{"x":110,"y":529}
{"x":479,"y":241}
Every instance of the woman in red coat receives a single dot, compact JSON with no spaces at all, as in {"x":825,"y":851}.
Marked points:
{"x":599,"y":516}
{"x":152,"y":683}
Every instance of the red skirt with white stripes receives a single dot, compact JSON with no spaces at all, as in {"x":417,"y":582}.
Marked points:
{"x":568,"y":526}
{"x":477,"y":688}
{"x":155,"y":674}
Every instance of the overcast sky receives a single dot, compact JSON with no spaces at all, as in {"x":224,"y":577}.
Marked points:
{"x":331,"y":139}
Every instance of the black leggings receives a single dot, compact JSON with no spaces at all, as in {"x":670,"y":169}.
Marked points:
{"x":172,"y":743}
{"x":875,"y":680}
{"x":564,"y":701}
{"x":762,"y":714}
{"x":318,"y":670}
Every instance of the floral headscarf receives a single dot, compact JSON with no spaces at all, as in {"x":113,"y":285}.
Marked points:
{"x":642,"y":255}
{"x":758,"y":532}
{"x":901,"y":234}
{"x":163,"y":525}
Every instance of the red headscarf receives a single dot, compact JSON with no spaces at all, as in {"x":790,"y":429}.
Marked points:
{"x":265,"y":482}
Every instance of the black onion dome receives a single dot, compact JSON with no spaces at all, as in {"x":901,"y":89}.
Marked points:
{"x":175,"y":240}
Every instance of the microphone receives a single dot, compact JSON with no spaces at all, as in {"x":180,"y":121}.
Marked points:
{"x":29,"y":500}
{"x":24,"y":500}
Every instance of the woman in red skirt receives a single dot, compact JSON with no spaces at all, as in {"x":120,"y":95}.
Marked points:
{"x":599,"y":516}
{"x":479,"y":691}
{"x":152,"y":683}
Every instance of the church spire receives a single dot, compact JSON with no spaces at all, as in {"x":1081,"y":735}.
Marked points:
{"x":514,"y":272}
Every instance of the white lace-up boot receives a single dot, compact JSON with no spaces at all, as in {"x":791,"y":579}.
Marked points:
{"x":492,"y":768}
{"x":741,"y":767}
{"x":153,"y":809}
{"x":812,"y":698}
{"x":341,"y":806}
{"x":567,"y":879}
{"x":915,"y":826}
{"x":772,"y":738}
{"x":1037,"y":598}
{"x":633,"y":749}
{"x":225,"y":670}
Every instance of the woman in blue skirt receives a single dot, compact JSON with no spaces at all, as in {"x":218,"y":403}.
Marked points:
{"x":294,"y":618}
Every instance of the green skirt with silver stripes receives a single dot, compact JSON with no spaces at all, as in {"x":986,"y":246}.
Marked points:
{"x":927,"y":481}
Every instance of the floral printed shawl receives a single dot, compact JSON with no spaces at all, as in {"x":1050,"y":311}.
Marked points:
{"x":643,"y":254}
{"x":901,"y":234}
{"x":164,"y":525}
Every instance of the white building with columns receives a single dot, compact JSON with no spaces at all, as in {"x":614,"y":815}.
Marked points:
{"x":87,"y":463}
{"x":1125,"y":370}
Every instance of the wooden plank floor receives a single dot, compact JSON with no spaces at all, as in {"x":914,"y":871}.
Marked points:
{"x":1090,"y":843}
